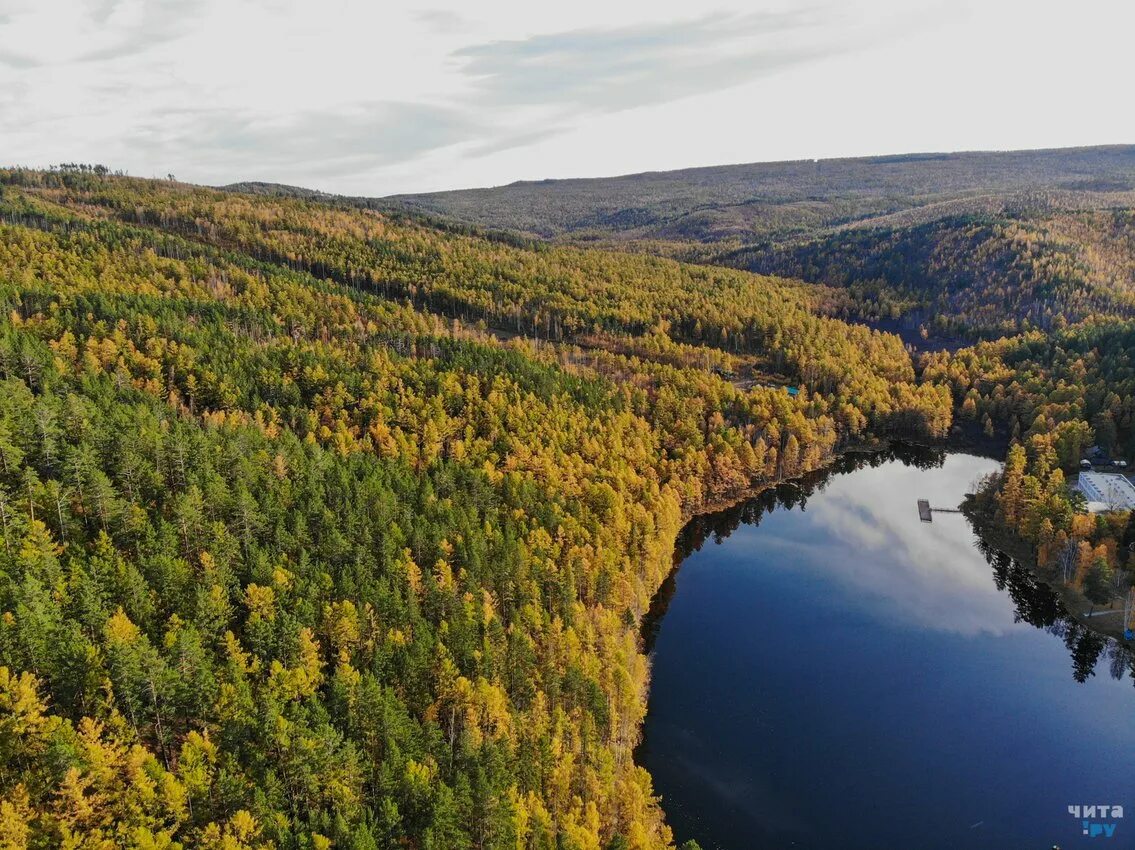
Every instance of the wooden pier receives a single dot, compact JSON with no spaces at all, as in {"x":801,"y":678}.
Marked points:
{"x":926,"y":513}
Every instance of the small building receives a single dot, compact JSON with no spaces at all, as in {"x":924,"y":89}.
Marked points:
{"x":1107,"y":491}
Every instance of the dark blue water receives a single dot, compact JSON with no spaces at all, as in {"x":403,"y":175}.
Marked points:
{"x":841,"y":675}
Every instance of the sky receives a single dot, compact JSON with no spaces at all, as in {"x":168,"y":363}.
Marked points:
{"x":374,"y":98}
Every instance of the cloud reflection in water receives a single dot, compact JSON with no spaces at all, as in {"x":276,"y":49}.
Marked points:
{"x":863,"y":535}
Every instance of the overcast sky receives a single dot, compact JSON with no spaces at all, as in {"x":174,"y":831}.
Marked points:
{"x":366,"y":97}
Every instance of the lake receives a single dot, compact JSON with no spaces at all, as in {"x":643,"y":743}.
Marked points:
{"x":830,"y":672}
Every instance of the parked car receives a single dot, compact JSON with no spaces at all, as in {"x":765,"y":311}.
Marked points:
{"x":1119,"y":464}
{"x":1085,"y":464}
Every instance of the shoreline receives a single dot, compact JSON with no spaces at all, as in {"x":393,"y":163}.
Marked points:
{"x":1076,"y":606}
{"x":724,"y":503}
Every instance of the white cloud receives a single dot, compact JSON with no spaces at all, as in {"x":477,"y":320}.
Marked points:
{"x":377,"y":98}
{"x":612,"y":69}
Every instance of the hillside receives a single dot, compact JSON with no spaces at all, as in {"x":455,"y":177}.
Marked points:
{"x":981,"y":275}
{"x":950,"y":247}
{"x":321,"y":528}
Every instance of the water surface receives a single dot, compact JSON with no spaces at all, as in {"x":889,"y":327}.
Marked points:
{"x":830,"y":672}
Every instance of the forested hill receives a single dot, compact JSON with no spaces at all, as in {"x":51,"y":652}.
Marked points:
{"x":969,"y":245}
{"x":323,"y":529}
{"x":983,"y":275}
{"x":773,"y":201}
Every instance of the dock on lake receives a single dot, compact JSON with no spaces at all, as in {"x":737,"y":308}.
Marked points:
{"x":926,"y":513}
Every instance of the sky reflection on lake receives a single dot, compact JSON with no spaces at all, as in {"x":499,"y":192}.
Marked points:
{"x":866,"y":539}
{"x":842,"y":675}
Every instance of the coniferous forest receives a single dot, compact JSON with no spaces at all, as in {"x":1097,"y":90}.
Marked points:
{"x":330,"y":527}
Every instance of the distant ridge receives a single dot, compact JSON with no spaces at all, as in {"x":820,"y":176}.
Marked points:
{"x":757,"y":201}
